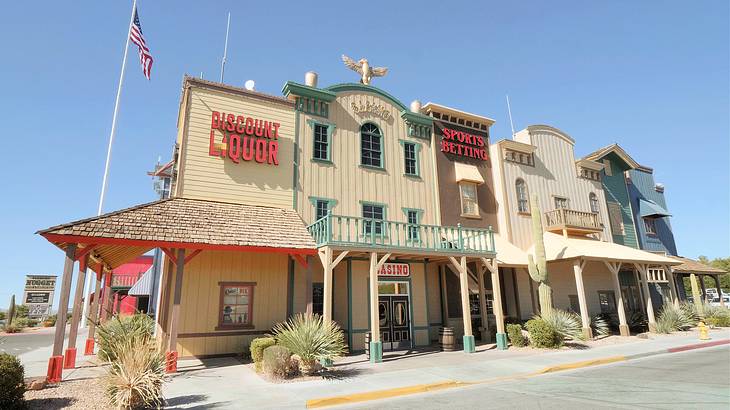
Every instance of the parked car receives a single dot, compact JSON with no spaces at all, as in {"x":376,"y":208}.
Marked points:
{"x":716,"y":301}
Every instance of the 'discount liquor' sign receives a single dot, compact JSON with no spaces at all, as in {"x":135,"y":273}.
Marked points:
{"x":244,"y":138}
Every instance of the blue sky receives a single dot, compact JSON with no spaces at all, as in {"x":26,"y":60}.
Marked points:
{"x":652,"y":76}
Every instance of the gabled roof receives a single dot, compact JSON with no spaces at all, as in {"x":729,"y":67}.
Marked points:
{"x":616,"y":149}
{"x":692,"y":266}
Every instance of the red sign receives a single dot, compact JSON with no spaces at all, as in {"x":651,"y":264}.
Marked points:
{"x":463,"y":144}
{"x":395,"y":269}
{"x":244,"y":138}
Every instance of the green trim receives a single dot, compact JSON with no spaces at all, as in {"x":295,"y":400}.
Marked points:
{"x":292,"y":88}
{"x":419,"y":214}
{"x":376,"y":352}
{"x":331,"y":203}
{"x":382,"y":147}
{"x":330,"y":130}
{"x":295,"y":163}
{"x":501,"y":341}
{"x":469,"y":344}
{"x":384,"y":232}
{"x":360,"y":330}
{"x":349,"y":304}
{"x":419,"y":125}
{"x":417,"y":152}
{"x":339,"y":88}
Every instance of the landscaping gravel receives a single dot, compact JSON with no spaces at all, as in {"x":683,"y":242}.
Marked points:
{"x":70,"y":394}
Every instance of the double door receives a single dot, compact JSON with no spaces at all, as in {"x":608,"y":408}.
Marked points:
{"x":395,"y":322}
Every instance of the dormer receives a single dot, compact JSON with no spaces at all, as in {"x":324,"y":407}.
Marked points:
{"x":517,"y":152}
{"x":457,"y":117}
{"x":589,"y":169}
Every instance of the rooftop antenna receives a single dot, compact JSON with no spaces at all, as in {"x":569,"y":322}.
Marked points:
{"x":509,"y":111}
{"x":225,"y":47}
{"x":201,"y":75}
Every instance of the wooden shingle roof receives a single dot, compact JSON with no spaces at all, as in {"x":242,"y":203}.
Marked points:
{"x":692,"y":266}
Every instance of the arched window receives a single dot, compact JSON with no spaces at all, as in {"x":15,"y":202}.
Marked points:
{"x":593,"y":199}
{"x":522,"y":201}
{"x":371,"y":146}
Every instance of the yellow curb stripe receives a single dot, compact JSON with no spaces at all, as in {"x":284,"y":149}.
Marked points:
{"x":578,"y":365}
{"x":382,"y":394}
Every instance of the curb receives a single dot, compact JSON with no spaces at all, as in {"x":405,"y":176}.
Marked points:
{"x":424,"y":388}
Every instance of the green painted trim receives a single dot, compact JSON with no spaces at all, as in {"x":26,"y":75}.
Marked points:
{"x":376,"y":352}
{"x":374,"y":168}
{"x":385,"y":216}
{"x":469,"y":344}
{"x":330,"y":130}
{"x":338,"y":88}
{"x":417,"y":118}
{"x":382,"y":147}
{"x":295,"y":177}
{"x":419,"y":215}
{"x":290,"y":290}
{"x":292,"y":88}
{"x":349,"y":303}
{"x":417,"y":152}
{"x":360,"y":330}
{"x":501,"y":341}
{"x":331,"y":203}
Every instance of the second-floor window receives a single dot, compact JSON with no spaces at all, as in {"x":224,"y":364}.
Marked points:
{"x":560,"y":202}
{"x":321,"y":143}
{"x":522,"y":199}
{"x":322,"y":209}
{"x":371,"y":147}
{"x":374,"y":215}
{"x":649,"y":226}
{"x":409,"y":155}
{"x":469,"y":202}
{"x":615,"y":218}
{"x":412,"y":217}
{"x":593,"y":199}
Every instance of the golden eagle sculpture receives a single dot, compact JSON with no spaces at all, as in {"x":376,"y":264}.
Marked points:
{"x":363,"y":68}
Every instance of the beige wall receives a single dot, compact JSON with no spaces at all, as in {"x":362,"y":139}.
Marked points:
{"x":202,"y":176}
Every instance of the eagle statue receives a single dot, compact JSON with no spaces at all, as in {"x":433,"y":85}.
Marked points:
{"x":363,"y":68}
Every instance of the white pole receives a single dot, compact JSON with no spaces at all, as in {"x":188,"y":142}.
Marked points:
{"x":225,"y":47}
{"x":109,"y":150}
{"x":509,"y":110}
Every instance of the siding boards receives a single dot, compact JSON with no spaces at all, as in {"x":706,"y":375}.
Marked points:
{"x":642,"y":186}
{"x":615,"y":189}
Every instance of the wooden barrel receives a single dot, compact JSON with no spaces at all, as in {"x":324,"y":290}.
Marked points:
{"x":446,"y":339}
{"x":367,"y":345}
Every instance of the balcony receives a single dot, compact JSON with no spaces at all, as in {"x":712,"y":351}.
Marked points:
{"x":357,"y":232}
{"x":125,"y":281}
{"x":571,"y":221}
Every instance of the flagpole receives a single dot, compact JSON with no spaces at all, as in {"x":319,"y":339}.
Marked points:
{"x":509,"y":111}
{"x":225,"y":48}
{"x":87,"y":306}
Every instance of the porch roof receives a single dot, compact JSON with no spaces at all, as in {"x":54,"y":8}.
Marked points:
{"x":509,"y":255}
{"x":120,"y":236}
{"x":558,"y":247}
{"x":692,"y":266}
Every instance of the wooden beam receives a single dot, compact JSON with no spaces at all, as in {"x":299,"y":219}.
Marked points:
{"x":382,"y":261}
{"x":83,"y":251}
{"x":483,"y":305}
{"x":170,"y":254}
{"x":192,"y":255}
{"x":642,"y":268}
{"x":172,"y":355}
{"x":584,"y":316}
{"x":299,"y":258}
{"x":339,"y":258}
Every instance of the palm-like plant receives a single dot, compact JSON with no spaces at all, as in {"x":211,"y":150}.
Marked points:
{"x":135,"y":376}
{"x":112,"y":335}
{"x":311,"y":338}
{"x":673,"y":318}
{"x":566,"y":324}
{"x":599,"y":325}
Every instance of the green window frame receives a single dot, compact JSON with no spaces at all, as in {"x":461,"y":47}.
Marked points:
{"x":413,"y":221}
{"x":319,"y":204}
{"x":321,"y":140}
{"x":371,"y":146}
{"x":377,"y":213}
{"x":411,"y":158}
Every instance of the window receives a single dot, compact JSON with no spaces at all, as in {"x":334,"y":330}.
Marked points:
{"x":607,"y":167}
{"x":593,"y":199}
{"x":321,"y":143}
{"x":574,"y":303}
{"x":649,"y":226}
{"x":412,"y":218}
{"x":322,"y":209}
{"x":560,"y":202}
{"x":615,"y":217}
{"x":469,"y":203}
{"x":522,"y":201}
{"x":409,"y":156}
{"x":236,"y":305}
{"x":374,"y":215}
{"x":607,"y":300}
{"x":317,"y":298}
{"x":519,"y":157}
{"x":371,"y":150}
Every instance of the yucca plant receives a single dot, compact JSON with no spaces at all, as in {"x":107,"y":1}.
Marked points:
{"x":566,"y":324}
{"x":113,"y":334}
{"x":136,"y":376}
{"x":675,"y":318}
{"x":599,"y":325}
{"x":311,"y":338}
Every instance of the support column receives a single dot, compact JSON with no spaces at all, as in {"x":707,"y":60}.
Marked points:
{"x":623,"y":327}
{"x":585,"y":317}
{"x":94,"y":313}
{"x":106,"y":309}
{"x":486,"y":336}
{"x":55,"y":363}
{"x":69,"y":358}
{"x":497,"y":302}
{"x":696,"y":297}
{"x":672,"y":285}
{"x":719,"y":289}
{"x":326,"y":257}
{"x":172,"y":354}
{"x":376,"y":346}
{"x":469,"y":344}
{"x":309,"y":287}
{"x":444,"y":297}
{"x":647,"y":296}
{"x":704,"y":288}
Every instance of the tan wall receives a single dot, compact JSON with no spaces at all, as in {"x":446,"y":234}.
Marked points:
{"x":202,"y":176}
{"x":346,"y":181}
{"x":595,"y":277}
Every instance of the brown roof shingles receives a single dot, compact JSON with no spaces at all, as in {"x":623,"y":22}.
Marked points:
{"x":195,"y":221}
{"x":693,"y":266}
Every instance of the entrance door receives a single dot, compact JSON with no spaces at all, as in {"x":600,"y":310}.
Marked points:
{"x":395,"y":321}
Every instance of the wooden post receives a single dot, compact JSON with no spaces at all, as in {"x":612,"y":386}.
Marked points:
{"x":106,"y":309}
{"x":585,"y":317}
{"x":55,"y":363}
{"x":623,"y":327}
{"x":719,"y":289}
{"x":94,"y":313}
{"x":444,"y":297}
{"x":696,"y":297}
{"x":647,"y":296}
{"x":376,"y":346}
{"x":309,"y":287}
{"x":172,"y":354}
{"x":672,"y":285}
{"x":497,"y":302}
{"x":704,"y":288}
{"x":69,"y":358}
{"x":469,"y":344}
{"x":326,"y":257}
{"x":486,"y":336}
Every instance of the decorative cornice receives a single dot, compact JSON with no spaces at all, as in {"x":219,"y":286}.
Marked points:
{"x":294,"y":89}
{"x":338,"y":88}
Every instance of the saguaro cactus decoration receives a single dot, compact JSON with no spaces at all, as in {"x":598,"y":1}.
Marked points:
{"x":11,"y":310}
{"x":538,"y":269}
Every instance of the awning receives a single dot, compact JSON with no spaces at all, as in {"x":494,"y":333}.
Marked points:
{"x":651,"y":209}
{"x":558,"y":247}
{"x":509,"y":255}
{"x":466,"y":172}
{"x":692,"y":266}
{"x":143,"y":287}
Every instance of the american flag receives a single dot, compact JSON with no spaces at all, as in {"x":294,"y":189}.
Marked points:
{"x":135,"y":34}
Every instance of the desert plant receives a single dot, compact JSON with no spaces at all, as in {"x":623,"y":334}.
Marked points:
{"x":3,"y":316}
{"x":113,"y":334}
{"x":12,"y":384}
{"x":22,"y":322}
{"x":276,"y":361}
{"x":136,"y":374}
{"x":542,"y":334}
{"x":258,"y":346}
{"x":636,"y":320}
{"x":538,"y":268}
{"x":567,"y":325}
{"x":311,"y":338}
{"x":11,"y":310}
{"x":514,"y":332}
{"x":21,"y":311}
{"x":599,"y":325}
{"x":12,"y":328}
{"x":675,"y":318}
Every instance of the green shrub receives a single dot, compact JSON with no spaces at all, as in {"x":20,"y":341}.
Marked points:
{"x":567,"y":325}
{"x":310,"y":338}
{"x":12,"y":384}
{"x":22,"y":322}
{"x":672,"y":318}
{"x":12,"y":328}
{"x":514,"y":332}
{"x":114,"y":333}
{"x":276,"y":361}
{"x":257,"y":350}
{"x":542,"y":334}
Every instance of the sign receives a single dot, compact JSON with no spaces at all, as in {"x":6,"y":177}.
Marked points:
{"x":401,"y":270}
{"x":38,"y":295}
{"x":370,"y":108}
{"x":463,"y":144}
{"x":244,"y":138}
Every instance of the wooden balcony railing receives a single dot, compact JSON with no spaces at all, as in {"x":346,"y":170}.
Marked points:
{"x":351,"y":231}
{"x":120,"y":281}
{"x":571,"y":220}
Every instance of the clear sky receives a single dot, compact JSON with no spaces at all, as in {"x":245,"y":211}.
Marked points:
{"x":652,"y":76}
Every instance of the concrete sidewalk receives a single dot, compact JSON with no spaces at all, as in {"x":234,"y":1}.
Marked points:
{"x":225,"y":383}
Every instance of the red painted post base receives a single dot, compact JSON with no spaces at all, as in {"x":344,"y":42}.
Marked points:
{"x":55,"y":369}
{"x":171,"y":362}
{"x":69,"y":359}
{"x":89,"y":349}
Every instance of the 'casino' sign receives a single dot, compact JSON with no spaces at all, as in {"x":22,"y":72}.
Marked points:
{"x":463,"y":144}
{"x":244,"y":138}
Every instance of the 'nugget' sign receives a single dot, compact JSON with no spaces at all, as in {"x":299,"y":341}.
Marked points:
{"x":244,"y":138}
